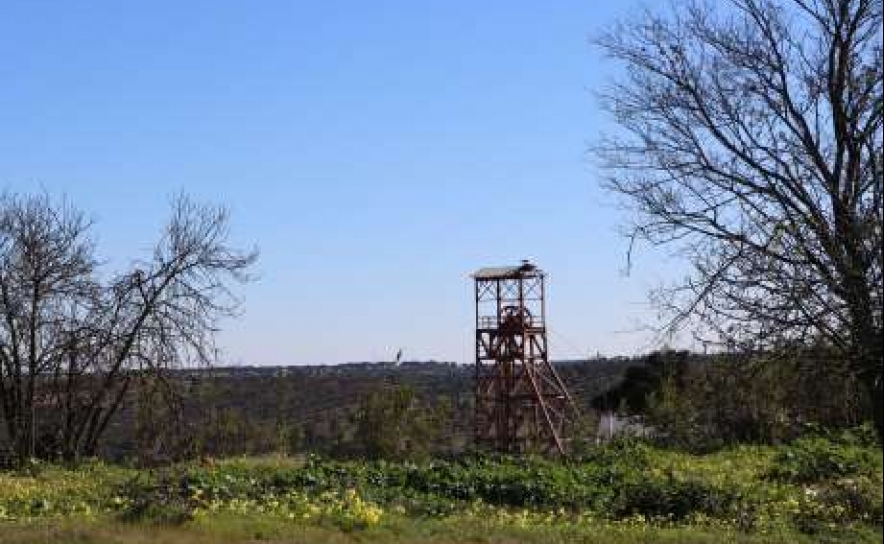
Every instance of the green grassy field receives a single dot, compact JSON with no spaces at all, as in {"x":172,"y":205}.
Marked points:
{"x":815,"y":490}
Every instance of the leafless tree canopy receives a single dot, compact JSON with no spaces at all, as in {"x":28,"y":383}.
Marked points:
{"x":751,"y":138}
{"x":72,"y":343}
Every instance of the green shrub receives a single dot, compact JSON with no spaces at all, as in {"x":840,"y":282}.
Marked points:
{"x":162,"y":499}
{"x":672,"y":499}
{"x":810,"y":460}
{"x":854,"y":499}
{"x":836,"y":503}
{"x":864,"y":436}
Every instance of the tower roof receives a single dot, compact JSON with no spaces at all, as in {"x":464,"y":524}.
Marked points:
{"x":525,"y":270}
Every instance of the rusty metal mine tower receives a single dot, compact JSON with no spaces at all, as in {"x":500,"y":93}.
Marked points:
{"x":521,"y":403}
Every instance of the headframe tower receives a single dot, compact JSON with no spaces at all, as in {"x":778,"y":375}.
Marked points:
{"x":522,"y":404}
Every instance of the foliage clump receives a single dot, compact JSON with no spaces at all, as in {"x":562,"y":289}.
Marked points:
{"x":633,"y":484}
{"x":814,"y":459}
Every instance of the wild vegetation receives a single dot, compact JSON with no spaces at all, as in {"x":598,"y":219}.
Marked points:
{"x":815,"y":488}
{"x":681,"y":400}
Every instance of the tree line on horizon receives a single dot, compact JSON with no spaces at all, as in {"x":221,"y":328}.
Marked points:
{"x":683,"y":400}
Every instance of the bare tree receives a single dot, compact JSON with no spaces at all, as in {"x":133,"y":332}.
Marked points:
{"x":72,"y":345}
{"x":751,"y":140}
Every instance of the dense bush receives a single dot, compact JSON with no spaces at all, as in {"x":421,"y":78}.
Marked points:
{"x":673,"y":499}
{"x":816,"y":459}
{"x":705,"y":403}
{"x":162,"y":498}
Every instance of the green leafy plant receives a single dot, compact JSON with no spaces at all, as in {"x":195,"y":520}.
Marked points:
{"x":809,"y":460}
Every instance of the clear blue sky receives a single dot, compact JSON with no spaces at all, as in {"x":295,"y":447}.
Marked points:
{"x":376,"y":152}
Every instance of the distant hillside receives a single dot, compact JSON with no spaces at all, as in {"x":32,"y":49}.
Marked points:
{"x":312,"y":408}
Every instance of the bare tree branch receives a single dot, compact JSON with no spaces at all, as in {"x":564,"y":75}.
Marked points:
{"x":751,"y":137}
{"x":74,"y":344}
